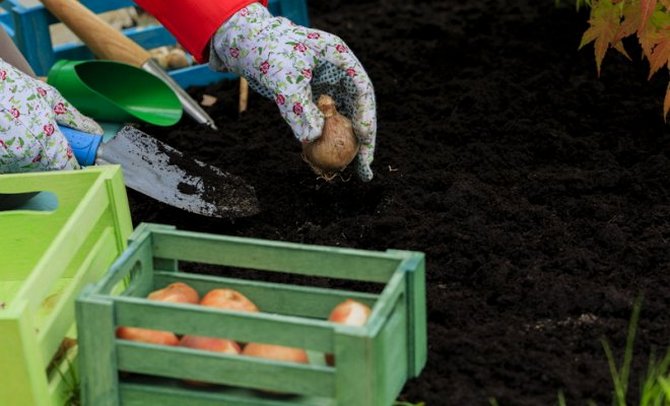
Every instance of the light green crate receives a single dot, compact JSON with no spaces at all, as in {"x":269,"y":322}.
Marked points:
{"x":46,"y":258}
{"x":372,"y":362}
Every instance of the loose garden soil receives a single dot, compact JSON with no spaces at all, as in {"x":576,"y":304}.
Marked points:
{"x":539,"y":192}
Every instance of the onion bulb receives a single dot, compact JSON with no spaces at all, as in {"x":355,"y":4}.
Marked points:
{"x":336,"y":148}
{"x":349,"y":313}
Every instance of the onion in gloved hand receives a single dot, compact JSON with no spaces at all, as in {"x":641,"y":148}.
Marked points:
{"x":336,"y":148}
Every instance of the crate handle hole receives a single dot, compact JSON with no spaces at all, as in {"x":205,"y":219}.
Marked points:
{"x":135,"y":270}
{"x":125,"y":287}
{"x":44,"y":202}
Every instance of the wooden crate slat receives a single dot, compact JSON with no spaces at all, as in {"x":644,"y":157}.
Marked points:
{"x":61,"y":317}
{"x":386,"y":302}
{"x":391,"y":361}
{"x":155,"y":393}
{"x":279,"y":298}
{"x":61,"y":253}
{"x":206,"y":321}
{"x":416,"y":310}
{"x":354,"y":368}
{"x":330,"y":262}
{"x":137,"y":255}
{"x":97,"y":357}
{"x":20,"y":350}
{"x":177,"y":362}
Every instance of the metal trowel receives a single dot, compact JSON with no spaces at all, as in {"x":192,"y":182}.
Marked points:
{"x":159,"y":171}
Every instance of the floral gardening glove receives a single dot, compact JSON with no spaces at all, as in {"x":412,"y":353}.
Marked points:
{"x":294,"y":65}
{"x":30,"y":112}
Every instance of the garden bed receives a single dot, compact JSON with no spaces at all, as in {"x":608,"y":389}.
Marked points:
{"x":539,"y":192}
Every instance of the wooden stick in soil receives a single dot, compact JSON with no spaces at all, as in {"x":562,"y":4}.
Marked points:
{"x":244,"y":95}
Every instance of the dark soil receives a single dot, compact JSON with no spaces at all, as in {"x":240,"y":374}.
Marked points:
{"x":538,"y":191}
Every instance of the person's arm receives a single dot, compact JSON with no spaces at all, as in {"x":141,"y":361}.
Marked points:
{"x":288,"y":63}
{"x":30,"y":112}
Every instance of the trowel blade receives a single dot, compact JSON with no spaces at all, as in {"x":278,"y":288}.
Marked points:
{"x":159,"y":171}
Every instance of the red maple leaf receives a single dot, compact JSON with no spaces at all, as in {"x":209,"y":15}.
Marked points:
{"x":632,"y":20}
{"x":660,"y":54}
{"x":666,"y":103}
{"x":647,"y":8}
{"x":604,"y":30}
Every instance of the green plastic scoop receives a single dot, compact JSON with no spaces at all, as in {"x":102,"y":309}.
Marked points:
{"x":115,"y":91}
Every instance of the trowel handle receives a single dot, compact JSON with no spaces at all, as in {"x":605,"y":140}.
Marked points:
{"x":104,"y":40}
{"x":84,"y":145}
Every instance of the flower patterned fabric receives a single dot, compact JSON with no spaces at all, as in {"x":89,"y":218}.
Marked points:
{"x":294,"y":65}
{"x":30,"y":111}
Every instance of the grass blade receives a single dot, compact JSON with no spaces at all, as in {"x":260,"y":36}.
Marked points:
{"x":619,"y":391}
{"x":630,"y":343}
{"x":561,"y":398}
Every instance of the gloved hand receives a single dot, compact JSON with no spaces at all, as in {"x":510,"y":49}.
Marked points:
{"x":294,"y":65}
{"x":30,"y":111}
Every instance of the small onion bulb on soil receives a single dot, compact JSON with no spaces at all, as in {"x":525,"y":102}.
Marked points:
{"x":336,"y":147}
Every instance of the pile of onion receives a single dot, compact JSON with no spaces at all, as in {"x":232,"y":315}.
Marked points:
{"x":336,"y":148}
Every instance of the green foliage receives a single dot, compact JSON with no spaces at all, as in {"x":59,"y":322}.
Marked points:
{"x":72,"y":387}
{"x":561,"y":398}
{"x":655,"y":387}
{"x":611,"y":21}
{"x":620,"y":375}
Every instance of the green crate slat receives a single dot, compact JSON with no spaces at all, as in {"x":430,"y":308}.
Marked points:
{"x":237,"y":370}
{"x":97,"y":359}
{"x":385,"y":304}
{"x":21,"y":220}
{"x":18,"y":335}
{"x":129,"y":262}
{"x":305,"y":301}
{"x":153,"y":393}
{"x":60,"y":319}
{"x":329,"y":262}
{"x":391,"y":356}
{"x":384,"y":352}
{"x":58,"y":255}
{"x":206,"y":321}
{"x":416,"y":310}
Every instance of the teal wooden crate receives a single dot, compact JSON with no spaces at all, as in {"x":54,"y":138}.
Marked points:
{"x":28,"y":25}
{"x":373,"y":362}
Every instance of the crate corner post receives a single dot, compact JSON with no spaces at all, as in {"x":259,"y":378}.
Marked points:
{"x":119,"y":205}
{"x":354,"y":352}
{"x":25,"y":385}
{"x":97,"y":351}
{"x":414,"y":266}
